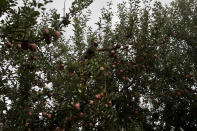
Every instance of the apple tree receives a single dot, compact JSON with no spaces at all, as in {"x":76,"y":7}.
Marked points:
{"x":137,"y":74}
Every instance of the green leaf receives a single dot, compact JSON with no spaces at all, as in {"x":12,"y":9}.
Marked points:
{"x":40,"y":5}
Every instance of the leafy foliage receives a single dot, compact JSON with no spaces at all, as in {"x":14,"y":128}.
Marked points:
{"x":139,"y":74}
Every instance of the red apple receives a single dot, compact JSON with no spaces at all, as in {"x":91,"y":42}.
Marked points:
{"x":174,"y":35}
{"x":188,"y":76}
{"x":26,"y":124}
{"x":49,"y":115}
{"x":10,"y":45}
{"x":110,"y":102}
{"x":123,"y":77}
{"x":44,"y":114}
{"x":32,"y":47}
{"x":90,"y":124}
{"x":91,"y":102}
{"x":19,"y":46}
{"x":102,"y":68}
{"x":179,"y":93}
{"x":127,"y":45}
{"x":57,"y":128}
{"x":156,"y":56}
{"x":77,"y":106}
{"x":127,"y":78}
{"x":98,"y":96}
{"x":30,"y":113}
{"x":121,"y":71}
{"x":113,"y":66}
{"x":136,"y":111}
{"x":62,"y":67}
{"x":46,"y":32}
{"x":152,"y":97}
{"x":70,"y":74}
{"x":35,"y":57}
{"x":102,"y":93}
{"x":58,"y":34}
{"x":113,"y":52}
{"x":81,"y":114}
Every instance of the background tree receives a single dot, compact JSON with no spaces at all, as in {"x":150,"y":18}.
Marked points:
{"x":142,"y":75}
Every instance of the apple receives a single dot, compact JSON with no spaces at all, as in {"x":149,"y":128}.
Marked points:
{"x":118,"y":63}
{"x":46,"y":31}
{"x":102,"y":94}
{"x":30,"y":113}
{"x":123,"y":77}
{"x":127,"y":45}
{"x":32,"y":47}
{"x":90,"y":124}
{"x":62,"y":67}
{"x":70,"y":74}
{"x":188,"y":76}
{"x":166,"y":78}
{"x":179,"y":93}
{"x":57,"y":128}
{"x":49,"y":115}
{"x":152,"y":97}
{"x":136,"y":111}
{"x":98,"y":96}
{"x":102,"y":68}
{"x":156,"y":56}
{"x":110,"y":102}
{"x":127,"y":78}
{"x":91,"y":102}
{"x":58,"y":34}
{"x":41,"y":68}
{"x":121,"y":71}
{"x":19,"y":46}
{"x":26,"y":124}
{"x":77,"y":106}
{"x":113,"y":52}
{"x":44,"y":102}
{"x":174,"y":35}
{"x":44,"y":114}
{"x":35,"y":57}
{"x":41,"y":92}
{"x":109,"y":73}
{"x":10,"y":45}
{"x":144,"y":53}
{"x":81,"y":114}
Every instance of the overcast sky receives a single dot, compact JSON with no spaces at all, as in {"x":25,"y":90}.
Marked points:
{"x":95,"y":7}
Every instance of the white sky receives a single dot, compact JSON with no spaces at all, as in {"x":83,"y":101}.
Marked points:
{"x":95,"y":7}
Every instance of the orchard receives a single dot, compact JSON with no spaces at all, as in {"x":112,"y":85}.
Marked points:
{"x":139,"y":74}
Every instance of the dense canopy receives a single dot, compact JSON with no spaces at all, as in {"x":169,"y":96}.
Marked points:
{"x":137,"y":74}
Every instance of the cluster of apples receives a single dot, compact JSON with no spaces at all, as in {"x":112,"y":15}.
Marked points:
{"x":25,"y":45}
{"x":48,"y":35}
